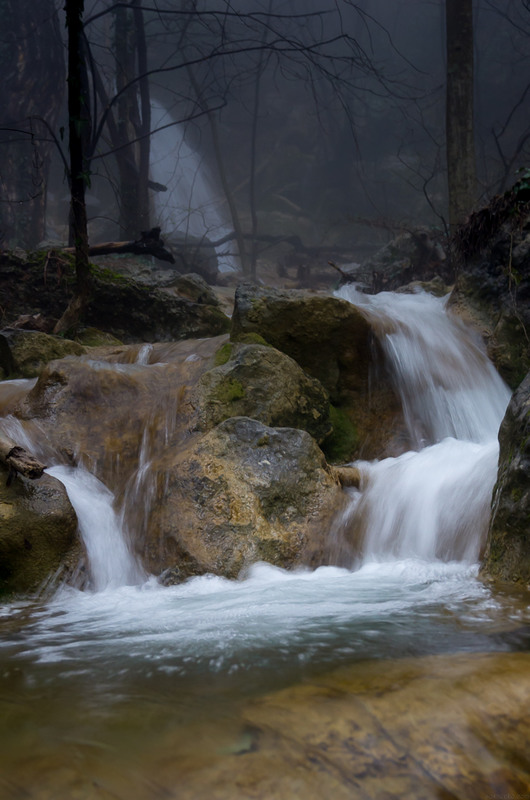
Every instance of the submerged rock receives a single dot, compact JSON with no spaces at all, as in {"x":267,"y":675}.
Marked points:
{"x":507,"y":555}
{"x":37,"y":532}
{"x":242,"y":493}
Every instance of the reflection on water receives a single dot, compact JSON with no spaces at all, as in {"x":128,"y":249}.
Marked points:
{"x":153,"y":690}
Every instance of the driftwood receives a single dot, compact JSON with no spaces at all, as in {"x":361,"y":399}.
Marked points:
{"x":18,"y":460}
{"x":149,"y":244}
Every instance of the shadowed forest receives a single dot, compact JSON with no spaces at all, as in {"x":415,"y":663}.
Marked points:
{"x":330,"y":124}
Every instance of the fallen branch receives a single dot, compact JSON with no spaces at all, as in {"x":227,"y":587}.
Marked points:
{"x":19,"y":461}
{"x":149,"y":244}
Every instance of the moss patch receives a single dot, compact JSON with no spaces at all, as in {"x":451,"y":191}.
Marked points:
{"x":250,"y":338}
{"x":229,"y":391}
{"x":340,"y":445}
{"x":223,"y":354}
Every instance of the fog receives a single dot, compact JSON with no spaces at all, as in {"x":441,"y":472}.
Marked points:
{"x":317,"y":119}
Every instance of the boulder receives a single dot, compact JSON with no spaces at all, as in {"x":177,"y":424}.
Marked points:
{"x":37,"y":532}
{"x":265,"y":384}
{"x":24,"y":353}
{"x":241,"y":493}
{"x":334,"y":342}
{"x":507,"y":555}
{"x":328,"y":337}
{"x":102,"y":411}
{"x":131,"y":311}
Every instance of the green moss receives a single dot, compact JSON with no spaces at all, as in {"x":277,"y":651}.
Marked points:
{"x":223,"y":354}
{"x":250,"y":338}
{"x":340,"y":445}
{"x":106,"y":275}
{"x":229,"y":391}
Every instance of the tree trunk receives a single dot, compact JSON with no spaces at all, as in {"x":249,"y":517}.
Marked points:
{"x":31,"y":94}
{"x":79,"y":125}
{"x":134,"y":120}
{"x":461,"y":170}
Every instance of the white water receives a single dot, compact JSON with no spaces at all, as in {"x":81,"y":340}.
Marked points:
{"x":111,"y":562}
{"x":434,"y":502}
{"x":191,"y":205}
{"x":422,"y":516}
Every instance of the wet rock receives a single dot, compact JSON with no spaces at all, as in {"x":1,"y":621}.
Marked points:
{"x":265,"y":384}
{"x":333,"y":342}
{"x":242,"y":493}
{"x":37,"y":532}
{"x":507,"y":555}
{"x":24,"y":353}
{"x":328,"y":337}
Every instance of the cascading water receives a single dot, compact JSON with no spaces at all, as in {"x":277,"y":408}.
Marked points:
{"x":139,"y":689}
{"x":191,"y":206}
{"x":432,"y":503}
{"x":111,"y":562}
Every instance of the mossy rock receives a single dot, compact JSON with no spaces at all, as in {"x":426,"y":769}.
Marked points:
{"x":262,"y":383}
{"x":507,"y":554}
{"x":30,"y":351}
{"x":340,"y":446}
{"x":37,"y":532}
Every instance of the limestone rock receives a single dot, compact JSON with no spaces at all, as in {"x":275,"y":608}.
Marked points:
{"x":507,"y":555}
{"x":103,"y":411}
{"x":332,"y":341}
{"x":121,"y":306}
{"x":328,"y":337}
{"x":132,"y":312}
{"x":23,"y":353}
{"x":241,"y":493}
{"x":265,"y":384}
{"x":37,"y":532}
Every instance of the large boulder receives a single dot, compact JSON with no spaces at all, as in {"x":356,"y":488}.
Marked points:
{"x":241,"y":493}
{"x":37,"y":532}
{"x":107,"y":409}
{"x":328,"y":337}
{"x":42,"y":283}
{"x":265,"y":384}
{"x":335,"y":343}
{"x":507,"y":554}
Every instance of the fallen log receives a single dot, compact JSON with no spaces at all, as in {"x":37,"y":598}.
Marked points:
{"x":149,"y":244}
{"x":19,"y":461}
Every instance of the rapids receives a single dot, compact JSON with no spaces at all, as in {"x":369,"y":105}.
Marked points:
{"x":132,"y":689}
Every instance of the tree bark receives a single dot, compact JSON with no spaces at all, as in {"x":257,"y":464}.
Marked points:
{"x":79,"y":125}
{"x":31,"y":94}
{"x":461,"y":169}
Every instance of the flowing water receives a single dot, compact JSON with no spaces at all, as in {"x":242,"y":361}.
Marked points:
{"x":134,"y":690}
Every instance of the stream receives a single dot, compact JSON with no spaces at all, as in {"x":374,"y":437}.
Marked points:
{"x":387,"y":679}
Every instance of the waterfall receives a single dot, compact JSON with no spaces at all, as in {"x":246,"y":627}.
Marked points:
{"x":433,"y":502}
{"x":191,"y":205}
{"x":111,"y":562}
